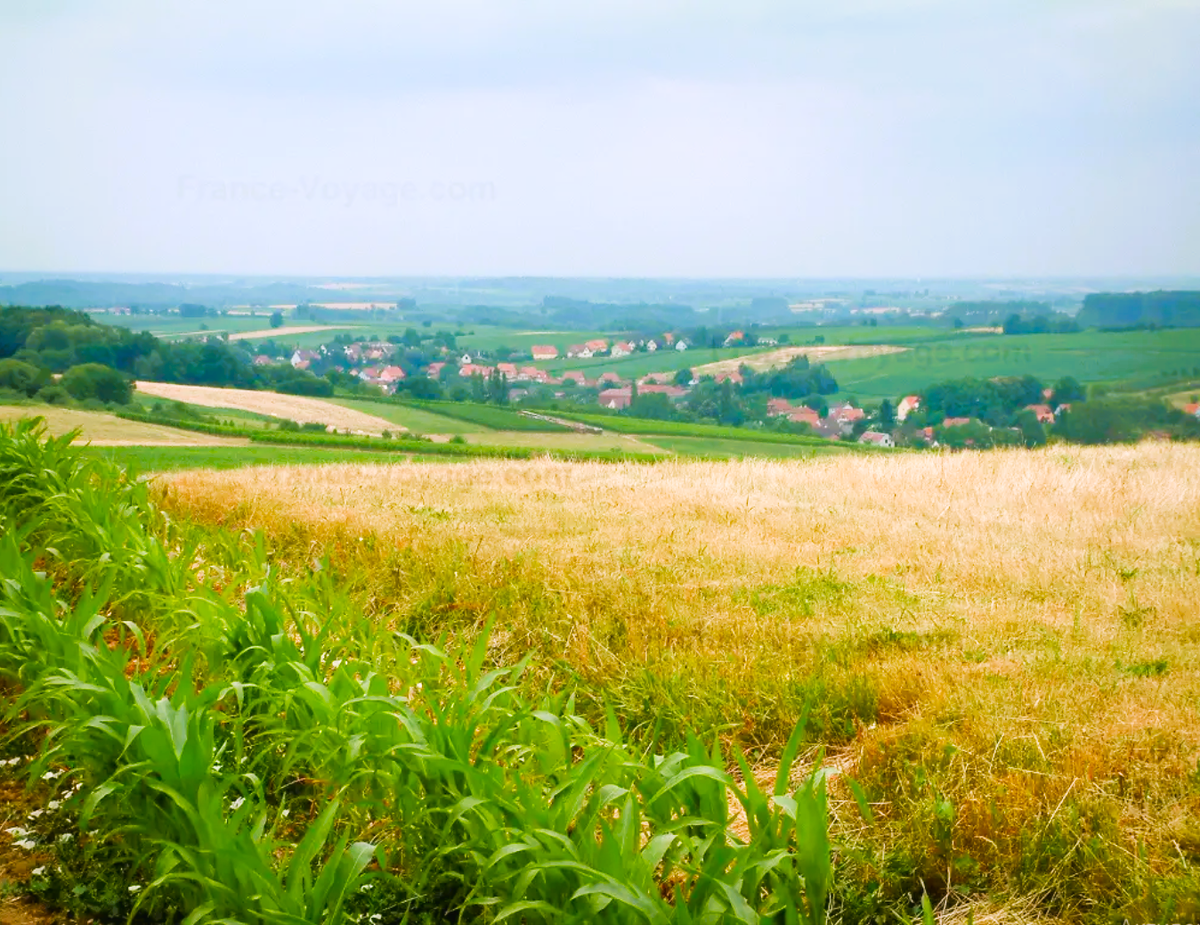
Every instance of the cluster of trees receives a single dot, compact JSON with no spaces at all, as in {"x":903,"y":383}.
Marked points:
{"x":1040,"y":324}
{"x":36,"y":343}
{"x":1123,"y":420}
{"x":993,"y":401}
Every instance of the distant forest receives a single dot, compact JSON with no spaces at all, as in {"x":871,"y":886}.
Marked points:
{"x":1134,"y":309}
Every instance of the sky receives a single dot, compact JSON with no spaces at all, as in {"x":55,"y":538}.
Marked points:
{"x":909,"y":138}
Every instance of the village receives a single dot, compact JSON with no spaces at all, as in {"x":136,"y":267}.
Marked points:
{"x":442,"y":371}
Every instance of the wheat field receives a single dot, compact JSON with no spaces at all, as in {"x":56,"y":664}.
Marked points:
{"x":1002,"y":648}
{"x":296,"y":408}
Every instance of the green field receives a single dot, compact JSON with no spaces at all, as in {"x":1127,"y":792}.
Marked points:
{"x":1089,"y":357}
{"x":738,"y":449}
{"x":168,"y":326}
{"x":565,"y":441}
{"x":417,"y":420}
{"x":169,"y":458}
{"x":145,"y":404}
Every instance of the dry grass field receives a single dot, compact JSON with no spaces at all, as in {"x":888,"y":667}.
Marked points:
{"x":760,"y":362}
{"x":1002,"y":650}
{"x":290,"y":329}
{"x":293,"y":407}
{"x":100,"y":429}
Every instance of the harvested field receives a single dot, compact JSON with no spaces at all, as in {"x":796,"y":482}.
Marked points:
{"x":291,"y":329}
{"x":770,"y":359}
{"x":1001,"y":649}
{"x":100,"y":429}
{"x":292,"y":407}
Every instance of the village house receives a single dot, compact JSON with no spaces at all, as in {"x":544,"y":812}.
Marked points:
{"x":651,"y":346}
{"x":804,"y":415}
{"x":576,"y":376}
{"x":609,"y":378}
{"x":671,"y":391}
{"x":580,"y":350}
{"x":735,"y":377}
{"x":434,"y":370}
{"x":353,"y":352}
{"x":735,"y":337}
{"x":682,"y":345}
{"x":621,"y":349}
{"x":876,"y":439}
{"x":907,"y":405}
{"x":956,"y":422}
{"x":616,"y":398}
{"x":391,"y":374}
{"x":263,"y":360}
{"x":1193,"y":409}
{"x":302,"y":359}
{"x":846,"y":413}
{"x":777,"y":406}
{"x":600,"y":343}
{"x":507,"y":369}
{"x":1043,"y":413}
{"x":543,"y":351}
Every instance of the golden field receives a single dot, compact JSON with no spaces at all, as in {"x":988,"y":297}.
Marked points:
{"x":298,"y":408}
{"x":769,"y":359}
{"x":1001,"y":649}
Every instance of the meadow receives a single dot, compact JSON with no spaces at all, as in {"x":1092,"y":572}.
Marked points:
{"x":1090,"y":356}
{"x":997,"y":652}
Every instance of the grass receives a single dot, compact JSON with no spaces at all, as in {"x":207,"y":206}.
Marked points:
{"x":998,"y":650}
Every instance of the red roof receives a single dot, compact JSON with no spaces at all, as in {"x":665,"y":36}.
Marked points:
{"x":1193,"y":408}
{"x":543,"y":351}
{"x":955,"y":422}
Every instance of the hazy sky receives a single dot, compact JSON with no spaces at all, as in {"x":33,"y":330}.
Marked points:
{"x":790,"y":138}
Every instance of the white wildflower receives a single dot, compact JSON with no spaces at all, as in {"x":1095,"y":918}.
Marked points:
{"x":17,"y":832}
{"x":38,"y":871}
{"x":237,"y":804}
{"x":36,"y":813}
{"x":53,"y":805}
{"x":27,"y":843}
{"x":65,"y":837}
{"x":51,"y":775}
{"x":135,"y":889}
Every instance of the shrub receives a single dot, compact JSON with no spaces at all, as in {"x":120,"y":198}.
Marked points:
{"x":99,"y":382}
{"x":22,"y":377}
{"x":54,"y":394}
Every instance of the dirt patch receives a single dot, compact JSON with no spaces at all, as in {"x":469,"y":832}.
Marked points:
{"x":760,"y":362}
{"x":292,"y":407}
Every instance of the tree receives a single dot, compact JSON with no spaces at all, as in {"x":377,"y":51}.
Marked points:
{"x":683,"y":377}
{"x":1068,"y":389}
{"x":1032,"y":431}
{"x":887,"y":415}
{"x":277,"y":319}
{"x":93,"y":380}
